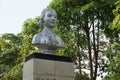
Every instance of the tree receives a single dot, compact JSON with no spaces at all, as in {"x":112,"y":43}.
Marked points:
{"x":113,"y":52}
{"x":10,"y":52}
{"x":14,"y":49}
{"x":81,"y":23}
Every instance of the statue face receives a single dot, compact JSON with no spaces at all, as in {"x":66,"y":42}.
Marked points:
{"x":50,"y":19}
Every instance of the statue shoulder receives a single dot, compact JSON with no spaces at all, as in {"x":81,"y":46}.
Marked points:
{"x":36,"y":38}
{"x":60,"y":41}
{"x":37,"y":35}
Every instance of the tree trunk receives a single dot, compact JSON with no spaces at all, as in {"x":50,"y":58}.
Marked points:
{"x":96,"y":48}
{"x":89,"y":47}
{"x":78,"y":52}
{"x":90,"y":57}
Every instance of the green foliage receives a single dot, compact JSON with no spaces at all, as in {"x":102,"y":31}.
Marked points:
{"x":83,"y":77}
{"x":113,"y":51}
{"x":9,"y":51}
{"x":88,"y":6}
{"x":14,"y":48}
{"x":113,"y":69}
{"x":115,"y":25}
{"x":30,"y":28}
{"x":14,"y":74}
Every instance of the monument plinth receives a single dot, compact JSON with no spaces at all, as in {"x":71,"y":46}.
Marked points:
{"x":40,"y":66}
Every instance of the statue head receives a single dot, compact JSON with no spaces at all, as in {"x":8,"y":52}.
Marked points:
{"x":48,"y":18}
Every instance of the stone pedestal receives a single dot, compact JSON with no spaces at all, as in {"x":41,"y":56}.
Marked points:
{"x":48,"y":67}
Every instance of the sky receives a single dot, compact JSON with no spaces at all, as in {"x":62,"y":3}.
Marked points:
{"x":14,"y":12}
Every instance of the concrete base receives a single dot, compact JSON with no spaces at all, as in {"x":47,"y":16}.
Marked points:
{"x":48,"y":67}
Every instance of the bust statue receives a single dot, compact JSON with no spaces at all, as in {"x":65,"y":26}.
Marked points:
{"x":47,"y":40}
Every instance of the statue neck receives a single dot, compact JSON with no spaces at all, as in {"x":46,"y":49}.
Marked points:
{"x":49,"y":30}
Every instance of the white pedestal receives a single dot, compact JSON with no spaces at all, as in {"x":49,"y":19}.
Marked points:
{"x":48,"y":67}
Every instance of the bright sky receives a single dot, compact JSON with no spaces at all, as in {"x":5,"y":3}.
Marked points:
{"x":14,"y":12}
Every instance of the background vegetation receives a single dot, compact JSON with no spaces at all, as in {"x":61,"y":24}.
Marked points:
{"x":90,"y":30}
